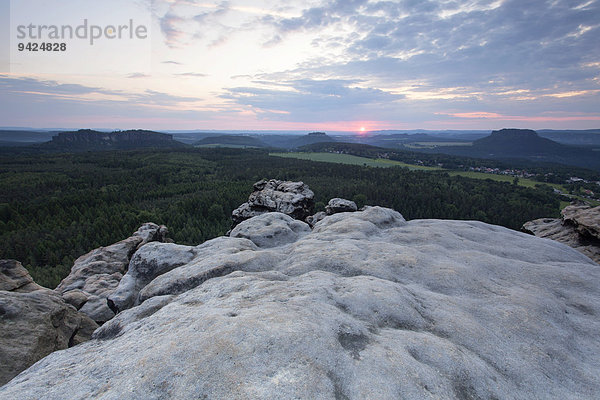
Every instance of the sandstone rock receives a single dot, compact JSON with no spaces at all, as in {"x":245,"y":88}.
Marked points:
{"x":150,"y":261}
{"x":116,"y":326}
{"x":34,"y":321}
{"x":15,"y":278}
{"x":292,"y":198}
{"x":271,"y":229}
{"x":214,"y":258}
{"x":313,"y":219}
{"x":75,"y":297}
{"x":578,"y":228}
{"x":366,"y":305}
{"x":95,"y":275}
{"x":338,"y":205}
{"x":585,"y":219}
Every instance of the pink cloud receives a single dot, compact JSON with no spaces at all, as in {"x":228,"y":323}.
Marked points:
{"x":541,"y":118}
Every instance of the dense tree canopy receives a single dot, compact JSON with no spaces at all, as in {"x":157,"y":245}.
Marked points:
{"x":54,"y":208}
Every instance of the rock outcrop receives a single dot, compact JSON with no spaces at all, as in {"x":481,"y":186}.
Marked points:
{"x":334,"y":206}
{"x":578,"y":227}
{"x":584,"y":218}
{"x":338,"y":205}
{"x":95,"y":275}
{"x":15,"y":278}
{"x":271,"y":229}
{"x":366,"y":305}
{"x":150,"y":261}
{"x":292,"y":198}
{"x":34,"y":321}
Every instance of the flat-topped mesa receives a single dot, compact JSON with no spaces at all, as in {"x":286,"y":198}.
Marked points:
{"x":90,"y":139}
{"x":291,"y":198}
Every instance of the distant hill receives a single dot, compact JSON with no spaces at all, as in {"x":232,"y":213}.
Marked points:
{"x":397,"y":140}
{"x":517,"y":143}
{"x":589,"y":137}
{"x":313,"y":137}
{"x":420,"y":135}
{"x":24,"y":137}
{"x":87,"y":139}
{"x":232,"y":140}
{"x":357,"y":149}
{"x":525,"y":144}
{"x":295,"y":141}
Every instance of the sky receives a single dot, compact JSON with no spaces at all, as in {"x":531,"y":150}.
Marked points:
{"x":338,"y":65}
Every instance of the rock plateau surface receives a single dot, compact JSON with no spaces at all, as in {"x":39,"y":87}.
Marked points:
{"x":364,"y":306}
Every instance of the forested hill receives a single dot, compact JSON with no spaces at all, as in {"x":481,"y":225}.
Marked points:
{"x":231,"y":140}
{"x":54,"y":208}
{"x":87,"y":139}
{"x":528,"y":145}
{"x":517,"y":142}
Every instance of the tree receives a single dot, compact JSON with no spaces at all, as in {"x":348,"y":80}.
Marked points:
{"x":360,"y":200}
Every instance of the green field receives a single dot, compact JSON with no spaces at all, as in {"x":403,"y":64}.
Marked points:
{"x":223,"y":145}
{"x":370,"y":162}
{"x":355,"y":160}
{"x":432,"y":145}
{"x":501,"y":178}
{"x":352,"y":160}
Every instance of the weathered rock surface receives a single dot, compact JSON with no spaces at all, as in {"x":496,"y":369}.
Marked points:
{"x":271,"y":229}
{"x":150,"y":261}
{"x":34,"y":321}
{"x":579,"y":227}
{"x":292,"y":198}
{"x":335,"y":205}
{"x":338,"y":205}
{"x":585,"y":219}
{"x":365,"y":306}
{"x":95,"y":275}
{"x":15,"y":278}
{"x":313,"y":219}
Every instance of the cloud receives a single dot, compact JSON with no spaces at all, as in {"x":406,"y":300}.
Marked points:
{"x":15,"y":86}
{"x":311,"y":100}
{"x":192,"y":74}
{"x":169,"y":25}
{"x":185,"y":22}
{"x":137,"y":75}
{"x":401,"y":61}
{"x":43,"y":92}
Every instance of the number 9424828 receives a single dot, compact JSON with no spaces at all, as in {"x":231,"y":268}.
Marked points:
{"x":45,"y":46}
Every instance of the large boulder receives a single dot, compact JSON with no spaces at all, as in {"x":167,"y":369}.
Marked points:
{"x":366,"y":305}
{"x":34,"y":321}
{"x":578,"y":227}
{"x":15,"y":278}
{"x":337,"y":205}
{"x":271,"y":229}
{"x":585,"y":219}
{"x":313,"y":219}
{"x":150,"y":261}
{"x":292,"y":198}
{"x":96,"y":275}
